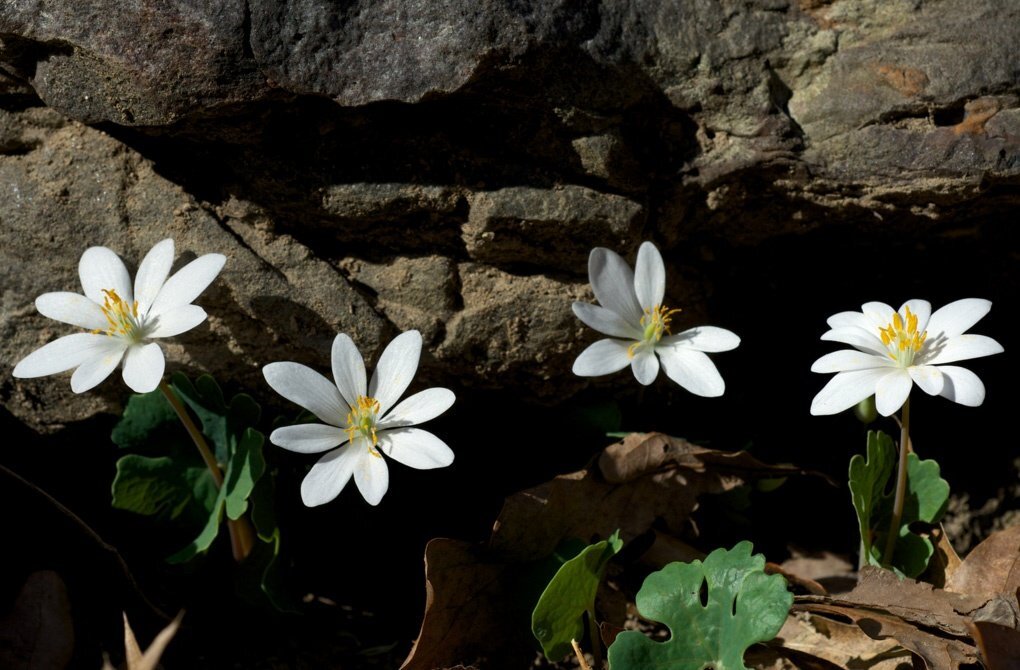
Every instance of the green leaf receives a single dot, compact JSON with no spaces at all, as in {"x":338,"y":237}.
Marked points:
{"x":559,"y":615}
{"x":744,"y":606}
{"x":245,"y":468}
{"x":177,"y":486}
{"x":872,"y":490}
{"x":149,"y":423}
{"x":223,"y":424}
{"x":168,"y":488}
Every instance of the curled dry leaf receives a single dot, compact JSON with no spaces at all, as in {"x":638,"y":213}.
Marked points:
{"x":999,"y":645}
{"x":938,"y":652}
{"x":838,"y":643}
{"x":467,"y":596}
{"x":641,"y":479}
{"x":992,"y":568}
{"x":134,"y":657}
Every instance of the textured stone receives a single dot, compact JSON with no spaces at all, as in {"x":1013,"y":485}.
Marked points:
{"x":556,"y":228}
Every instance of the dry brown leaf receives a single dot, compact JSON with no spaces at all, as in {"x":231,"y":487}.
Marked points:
{"x":945,"y":561}
{"x":134,"y":657}
{"x":999,"y":645}
{"x":915,"y":602}
{"x":992,"y":568}
{"x":839,"y":644}
{"x":938,"y":652}
{"x":38,"y":634}
{"x":468,"y":593}
{"x":644,"y":478}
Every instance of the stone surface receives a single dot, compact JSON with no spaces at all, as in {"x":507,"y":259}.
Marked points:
{"x":373,"y":166}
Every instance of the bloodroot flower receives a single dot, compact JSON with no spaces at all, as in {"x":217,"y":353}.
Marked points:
{"x":630,"y":308}
{"x":362,"y":421}
{"x":896,"y":349}
{"x":121,"y":318}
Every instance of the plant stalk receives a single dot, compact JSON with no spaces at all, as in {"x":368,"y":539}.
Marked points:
{"x":901,"y":485}
{"x":242,"y":535}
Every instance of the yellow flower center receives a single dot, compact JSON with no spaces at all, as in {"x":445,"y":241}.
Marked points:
{"x":361,"y":420}
{"x":902,"y":339}
{"x":121,"y":317}
{"x":654,"y":324}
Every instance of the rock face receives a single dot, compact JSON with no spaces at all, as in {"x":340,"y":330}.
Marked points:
{"x":372,"y":166}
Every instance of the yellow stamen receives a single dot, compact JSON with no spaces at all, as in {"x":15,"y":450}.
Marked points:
{"x":655,"y":323}
{"x":361,"y":419}
{"x":122,"y":318}
{"x":902,"y":339}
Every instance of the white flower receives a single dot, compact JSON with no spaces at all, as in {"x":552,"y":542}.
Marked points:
{"x":895,"y":350}
{"x":363,"y":420}
{"x":632,"y":309}
{"x":121,"y":318}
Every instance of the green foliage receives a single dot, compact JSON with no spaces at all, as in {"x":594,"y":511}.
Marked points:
{"x":744,"y":606}
{"x":872,"y":490}
{"x":559,"y":615}
{"x":177,"y":486}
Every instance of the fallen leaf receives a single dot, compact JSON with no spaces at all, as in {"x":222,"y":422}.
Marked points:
{"x":999,"y":645}
{"x":937,"y":651}
{"x":945,"y":561}
{"x":915,"y":602}
{"x":838,"y":643}
{"x":134,"y":657}
{"x":467,"y":593}
{"x":38,"y":634}
{"x":644,"y":478}
{"x":991,"y":568}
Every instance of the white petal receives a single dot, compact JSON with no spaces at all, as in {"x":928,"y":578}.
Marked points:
{"x":862,"y":339}
{"x":921,"y":309}
{"x":962,"y":386}
{"x":100,"y":269}
{"x":602,"y":358}
{"x":176,"y":321}
{"x":703,"y":338}
{"x":187,"y":283}
{"x":419,"y":408}
{"x":348,"y":369}
{"x":850,"y":320}
{"x":892,"y":390}
{"x":606,"y":321}
{"x":395,"y":369}
{"x":143,"y":367}
{"x":957,"y":317}
{"x":649,"y":277}
{"x":308,"y":438}
{"x":846,"y":359}
{"x":63,"y":354}
{"x":329,"y":475}
{"x":415,"y":448}
{"x":928,"y":377}
{"x":692,"y":370}
{"x":958,"y":348}
{"x":645,"y":366}
{"x":612,"y":281}
{"x":371,"y":475}
{"x":98,"y":368}
{"x":878,"y":313}
{"x":152,"y":274}
{"x":846,"y":390}
{"x":72,"y":308}
{"x":304,"y":386}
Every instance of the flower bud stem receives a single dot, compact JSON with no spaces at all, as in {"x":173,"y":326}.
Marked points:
{"x":901,"y":485}
{"x":242,"y":535}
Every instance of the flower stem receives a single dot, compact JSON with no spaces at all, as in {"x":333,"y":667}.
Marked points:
{"x":901,"y":485}
{"x":242,"y":535}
